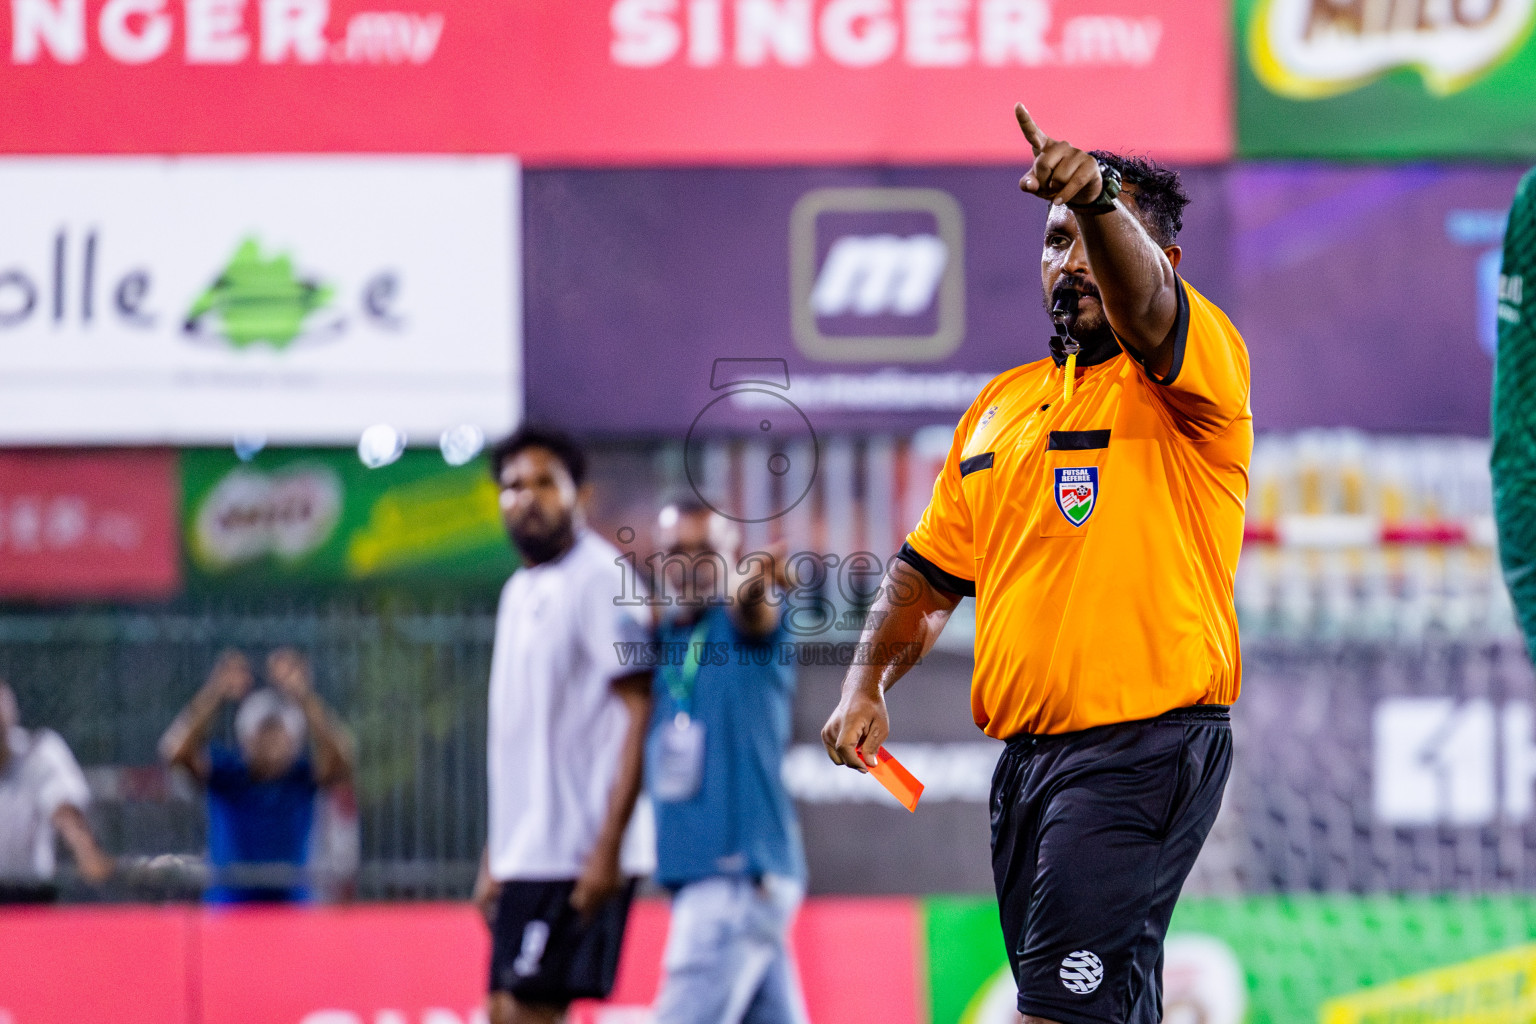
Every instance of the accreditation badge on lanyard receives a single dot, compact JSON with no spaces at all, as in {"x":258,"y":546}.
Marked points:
{"x":680,"y":760}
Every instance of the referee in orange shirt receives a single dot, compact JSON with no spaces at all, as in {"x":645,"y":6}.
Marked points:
{"x":1092,"y":503}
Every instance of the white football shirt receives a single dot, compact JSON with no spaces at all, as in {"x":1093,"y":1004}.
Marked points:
{"x":42,"y":777}
{"x":556,"y":727}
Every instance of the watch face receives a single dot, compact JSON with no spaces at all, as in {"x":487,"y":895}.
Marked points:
{"x":1109,"y":188}
{"x":1111,"y":179}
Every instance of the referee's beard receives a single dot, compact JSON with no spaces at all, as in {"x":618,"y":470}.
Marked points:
{"x":539,"y":543}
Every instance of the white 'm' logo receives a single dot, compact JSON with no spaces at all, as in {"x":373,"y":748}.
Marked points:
{"x":868,"y":275}
{"x":1081,"y":972}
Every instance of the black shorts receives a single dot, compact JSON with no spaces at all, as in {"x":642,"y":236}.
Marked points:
{"x":1093,"y":834}
{"x":545,"y":954}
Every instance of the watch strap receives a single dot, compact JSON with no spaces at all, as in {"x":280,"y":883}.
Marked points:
{"x":1105,"y":201}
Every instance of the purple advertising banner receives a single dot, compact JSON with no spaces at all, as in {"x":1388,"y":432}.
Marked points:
{"x":887,"y":296}
{"x":660,"y":301}
{"x":1368,"y":295}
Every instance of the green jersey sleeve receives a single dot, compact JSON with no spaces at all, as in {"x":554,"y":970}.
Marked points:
{"x":1514,"y":409}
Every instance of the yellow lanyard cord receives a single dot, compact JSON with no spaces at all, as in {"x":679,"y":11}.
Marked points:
{"x":1069,"y":371}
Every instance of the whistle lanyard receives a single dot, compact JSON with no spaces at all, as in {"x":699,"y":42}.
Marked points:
{"x":680,"y":680}
{"x":1069,"y":371}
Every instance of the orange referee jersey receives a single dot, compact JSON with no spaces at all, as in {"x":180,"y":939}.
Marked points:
{"x":1099,"y":538}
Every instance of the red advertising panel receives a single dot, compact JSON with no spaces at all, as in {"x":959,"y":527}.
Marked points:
{"x":410,"y":964}
{"x":862,"y":959}
{"x":124,"y":966}
{"x":420,"y":964}
{"x":615,"y":81}
{"x":876,"y":978}
{"x":81,"y":525}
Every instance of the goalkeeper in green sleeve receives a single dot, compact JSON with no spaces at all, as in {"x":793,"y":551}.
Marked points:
{"x":1514,"y":409}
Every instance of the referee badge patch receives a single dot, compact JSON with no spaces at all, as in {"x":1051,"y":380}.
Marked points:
{"x":1077,"y":492}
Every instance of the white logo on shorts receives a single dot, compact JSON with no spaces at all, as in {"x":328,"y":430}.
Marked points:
{"x":1081,"y":972}
{"x":535,"y":938}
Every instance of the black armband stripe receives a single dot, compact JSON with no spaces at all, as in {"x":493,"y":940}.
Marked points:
{"x":1077,"y":440}
{"x":975,"y":463}
{"x":1180,"y":340}
{"x":936,"y":577}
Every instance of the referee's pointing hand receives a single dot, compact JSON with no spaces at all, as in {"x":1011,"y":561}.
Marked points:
{"x":1061,"y":172}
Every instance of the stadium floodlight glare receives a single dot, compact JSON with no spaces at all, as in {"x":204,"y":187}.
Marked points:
{"x":247,"y":446}
{"x":380,"y":445}
{"x":461,"y":443}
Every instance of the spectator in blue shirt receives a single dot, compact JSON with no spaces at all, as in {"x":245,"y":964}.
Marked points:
{"x":261,"y":795}
{"x":727,"y":839}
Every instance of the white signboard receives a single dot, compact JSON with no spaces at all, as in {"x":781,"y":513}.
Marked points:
{"x":294,"y":299}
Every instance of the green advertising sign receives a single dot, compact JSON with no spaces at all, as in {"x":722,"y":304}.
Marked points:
{"x":323,"y":517}
{"x":1285,"y":960}
{"x":1386,"y":79}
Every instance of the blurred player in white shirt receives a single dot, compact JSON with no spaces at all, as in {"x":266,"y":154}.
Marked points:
{"x":566,"y":739}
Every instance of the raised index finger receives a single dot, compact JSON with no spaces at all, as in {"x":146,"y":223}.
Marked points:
{"x":1038,"y":140}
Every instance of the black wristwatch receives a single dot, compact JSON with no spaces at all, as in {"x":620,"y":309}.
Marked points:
{"x":1106,"y":200}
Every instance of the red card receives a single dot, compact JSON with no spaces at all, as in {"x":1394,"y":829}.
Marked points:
{"x":903,"y":785}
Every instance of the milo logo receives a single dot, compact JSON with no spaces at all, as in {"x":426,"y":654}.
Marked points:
{"x":1311,"y":49}
{"x":250,"y":515}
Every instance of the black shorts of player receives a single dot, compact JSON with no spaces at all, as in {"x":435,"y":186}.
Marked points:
{"x":1093,"y":834}
{"x":546,"y":954}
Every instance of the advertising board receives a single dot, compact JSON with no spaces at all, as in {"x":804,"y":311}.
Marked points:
{"x":1401,"y":80}
{"x":88,"y":525}
{"x":1333,"y":959}
{"x":865,"y":298}
{"x":614,"y":81}
{"x":1329,"y":959}
{"x":298,"y":300}
{"x":323,"y":517}
{"x":400,"y":964}
{"x":882,"y":299}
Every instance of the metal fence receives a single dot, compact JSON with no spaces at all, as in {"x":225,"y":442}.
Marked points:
{"x":407,"y":674}
{"x":1364,"y":765}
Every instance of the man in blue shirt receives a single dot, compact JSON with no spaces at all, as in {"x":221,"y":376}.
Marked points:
{"x":261,"y":796}
{"x":727,"y":840}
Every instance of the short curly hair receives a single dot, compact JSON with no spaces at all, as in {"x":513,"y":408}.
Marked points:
{"x":1159,"y":194}
{"x":558,"y":443}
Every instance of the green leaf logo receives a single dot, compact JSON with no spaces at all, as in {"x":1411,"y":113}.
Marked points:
{"x":257,"y":301}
